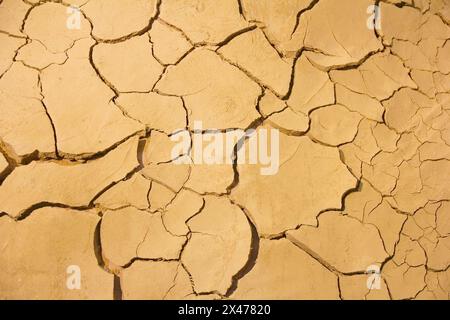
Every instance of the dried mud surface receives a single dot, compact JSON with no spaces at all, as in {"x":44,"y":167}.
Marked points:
{"x":87,"y":177}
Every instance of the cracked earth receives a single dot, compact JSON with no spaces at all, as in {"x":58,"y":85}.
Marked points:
{"x":87,"y":177}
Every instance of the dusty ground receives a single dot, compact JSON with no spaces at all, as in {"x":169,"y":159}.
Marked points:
{"x":93,"y":206}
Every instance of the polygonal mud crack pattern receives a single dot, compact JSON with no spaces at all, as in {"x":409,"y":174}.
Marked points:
{"x":94,"y":93}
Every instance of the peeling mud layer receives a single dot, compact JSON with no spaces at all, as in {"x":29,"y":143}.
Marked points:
{"x":94,"y":205}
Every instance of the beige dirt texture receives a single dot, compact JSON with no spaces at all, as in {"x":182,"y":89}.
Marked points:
{"x":99,"y":201}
